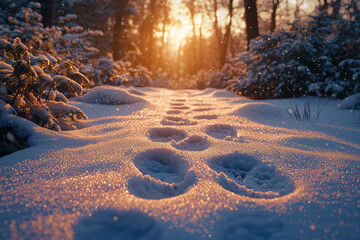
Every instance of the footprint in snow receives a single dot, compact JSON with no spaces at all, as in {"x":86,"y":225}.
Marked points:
{"x":170,"y":120}
{"x":202,"y":109}
{"x":177,"y":104}
{"x":164,"y":174}
{"x":247,"y":176}
{"x":180,"y":107}
{"x":208,"y":117}
{"x":166,"y":134}
{"x":175,"y":112}
{"x":221,"y":131}
{"x":193,"y":143}
{"x":202,"y":104}
{"x":115,"y":224}
{"x":260,"y":226}
{"x":179,"y":100}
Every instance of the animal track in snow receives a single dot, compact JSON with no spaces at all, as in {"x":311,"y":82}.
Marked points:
{"x":170,"y":120}
{"x":208,"y":117}
{"x":247,"y":176}
{"x":165,"y":174}
{"x":180,"y":107}
{"x":193,"y":143}
{"x":175,"y":112}
{"x":221,"y":131}
{"x":166,"y":134}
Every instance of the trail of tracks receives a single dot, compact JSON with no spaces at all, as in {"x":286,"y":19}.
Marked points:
{"x":185,"y":160}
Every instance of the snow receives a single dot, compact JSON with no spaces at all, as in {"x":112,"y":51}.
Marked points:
{"x":185,"y":164}
{"x":351,"y":102}
{"x":114,"y":224}
{"x":110,"y":95}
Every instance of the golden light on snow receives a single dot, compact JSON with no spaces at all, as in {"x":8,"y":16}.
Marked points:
{"x":185,"y":159}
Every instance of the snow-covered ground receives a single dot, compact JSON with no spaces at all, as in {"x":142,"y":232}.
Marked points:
{"x":188,"y":164}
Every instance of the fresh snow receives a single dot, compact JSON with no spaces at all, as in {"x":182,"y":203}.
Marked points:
{"x":153,"y":163}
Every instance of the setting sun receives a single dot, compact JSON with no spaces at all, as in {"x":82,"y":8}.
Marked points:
{"x":178,"y":33}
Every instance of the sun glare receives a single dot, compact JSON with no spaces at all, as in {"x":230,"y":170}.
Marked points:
{"x":179,"y":33}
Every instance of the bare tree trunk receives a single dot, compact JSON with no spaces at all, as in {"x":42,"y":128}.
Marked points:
{"x":216,"y":24}
{"x":48,"y":12}
{"x":201,"y":53}
{"x":119,"y":35}
{"x":297,"y":9}
{"x":178,"y":62}
{"x":323,"y":6}
{"x":275,"y":4}
{"x":336,"y":5}
{"x":252,"y":26}
{"x":225,"y":41}
{"x":163,"y":4}
{"x":191,"y":7}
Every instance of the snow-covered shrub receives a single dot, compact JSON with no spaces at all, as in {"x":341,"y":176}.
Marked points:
{"x":320,"y":57}
{"x":104,"y":71}
{"x":110,"y":95}
{"x":12,"y":136}
{"x":351,"y":102}
{"x":33,"y":91}
{"x":67,"y":40}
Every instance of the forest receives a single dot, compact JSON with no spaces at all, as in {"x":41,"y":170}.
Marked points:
{"x":260,"y":49}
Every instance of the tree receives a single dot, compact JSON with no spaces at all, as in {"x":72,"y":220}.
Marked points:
{"x":275,"y":4}
{"x":147,"y":31}
{"x":122,"y":10}
{"x":48,"y":12}
{"x":165,"y":21}
{"x":227,"y":34}
{"x":222,"y":40}
{"x":252,"y":26}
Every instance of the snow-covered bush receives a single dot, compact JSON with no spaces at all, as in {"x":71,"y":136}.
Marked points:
{"x":320,"y":57}
{"x":12,"y":136}
{"x":110,"y":95}
{"x":33,"y":91}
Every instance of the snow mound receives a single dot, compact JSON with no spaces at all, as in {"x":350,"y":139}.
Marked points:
{"x":223,"y":94}
{"x":319,"y":145}
{"x":165,"y":174}
{"x":109,"y":95}
{"x":351,"y":102}
{"x":259,"y":112}
{"x":247,"y":176}
{"x":115,"y":224}
{"x":14,"y":131}
{"x":193,"y":143}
